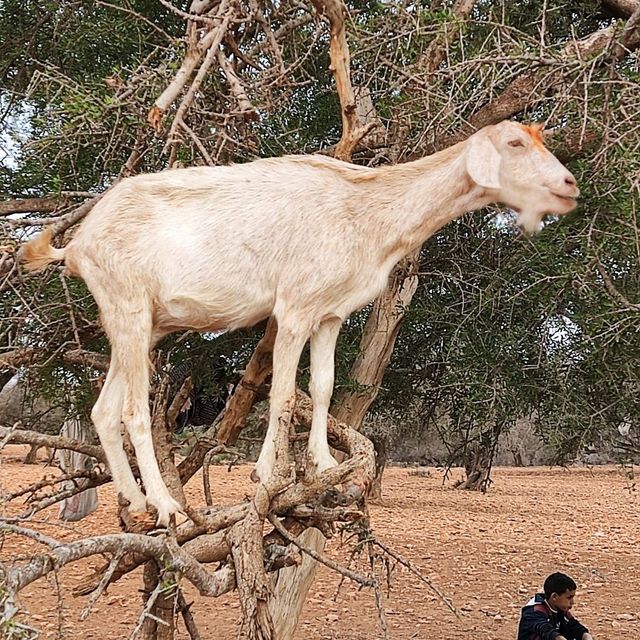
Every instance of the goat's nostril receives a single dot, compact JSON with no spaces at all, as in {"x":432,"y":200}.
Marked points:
{"x":570,"y":180}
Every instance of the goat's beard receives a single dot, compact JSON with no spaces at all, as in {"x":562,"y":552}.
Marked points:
{"x":530,"y":221}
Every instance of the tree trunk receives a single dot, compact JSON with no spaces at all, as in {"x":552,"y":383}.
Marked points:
{"x":291,"y":586}
{"x":478,"y":470}
{"x":478,"y":460}
{"x":32,"y":454}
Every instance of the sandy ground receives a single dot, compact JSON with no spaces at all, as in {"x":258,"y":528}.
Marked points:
{"x":487,"y":553}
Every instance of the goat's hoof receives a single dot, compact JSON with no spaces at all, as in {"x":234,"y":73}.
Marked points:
{"x":165,"y":508}
{"x":315,"y":467}
{"x":137,"y":521}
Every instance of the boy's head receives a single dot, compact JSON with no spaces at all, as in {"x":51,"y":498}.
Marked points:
{"x":559,"y":591}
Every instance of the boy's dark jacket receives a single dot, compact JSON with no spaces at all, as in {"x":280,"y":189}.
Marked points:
{"x":540,"y":622}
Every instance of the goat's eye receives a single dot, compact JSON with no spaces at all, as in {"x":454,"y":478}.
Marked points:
{"x":515,"y":143}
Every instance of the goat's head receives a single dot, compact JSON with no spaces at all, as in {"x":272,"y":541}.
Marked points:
{"x":510,"y":161}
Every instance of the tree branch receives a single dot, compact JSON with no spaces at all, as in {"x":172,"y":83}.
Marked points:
{"x":195,"y":52}
{"x":24,"y":436}
{"x":436,"y":52}
{"x":45,"y":204}
{"x":530,"y":88}
{"x":352,"y":130}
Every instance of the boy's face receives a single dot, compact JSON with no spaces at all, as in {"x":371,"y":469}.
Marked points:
{"x":562,"y":601}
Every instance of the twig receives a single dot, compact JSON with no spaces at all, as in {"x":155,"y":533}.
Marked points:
{"x":51,"y":481}
{"x":60,"y":604}
{"x":189,"y":620}
{"x":146,"y":612}
{"x":188,"y":99}
{"x":201,"y":148}
{"x":416,"y":571}
{"x":72,"y":316}
{"x":206,"y":480}
{"x":382,"y":618}
{"x":235,"y":85}
{"x":137,"y":15}
{"x":352,"y":575}
{"x":62,"y":495}
{"x":195,"y":53}
{"x":612,"y":291}
{"x":106,"y":578}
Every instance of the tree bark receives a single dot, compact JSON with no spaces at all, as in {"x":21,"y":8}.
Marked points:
{"x":291,"y":586}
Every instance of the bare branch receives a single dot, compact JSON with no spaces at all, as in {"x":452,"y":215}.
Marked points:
{"x":237,"y":90}
{"x":352,"y":575}
{"x":195,"y":53}
{"x":436,"y":52}
{"x":352,"y":130}
{"x":417,"y":572}
{"x":45,"y":204}
{"x":104,"y":582}
{"x":23,"y":436}
{"x":613,"y":292}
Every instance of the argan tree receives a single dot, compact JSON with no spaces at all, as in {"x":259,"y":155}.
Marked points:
{"x":481,"y":326}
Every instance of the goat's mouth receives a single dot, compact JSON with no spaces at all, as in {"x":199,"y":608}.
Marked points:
{"x":569,"y":203}
{"x":570,"y":199}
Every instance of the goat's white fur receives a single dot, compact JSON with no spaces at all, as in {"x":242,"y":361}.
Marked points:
{"x":307,"y":239}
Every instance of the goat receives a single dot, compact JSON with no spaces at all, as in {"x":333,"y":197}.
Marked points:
{"x":307,"y":239}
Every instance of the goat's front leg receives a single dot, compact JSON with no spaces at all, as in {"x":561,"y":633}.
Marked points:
{"x":323,"y":346}
{"x":274,"y":454}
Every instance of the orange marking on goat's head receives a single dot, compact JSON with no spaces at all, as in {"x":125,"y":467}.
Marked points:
{"x":535,"y":131}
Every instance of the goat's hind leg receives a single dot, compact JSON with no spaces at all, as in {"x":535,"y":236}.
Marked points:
{"x":323,"y":345}
{"x":107,"y":417}
{"x":132,"y":346}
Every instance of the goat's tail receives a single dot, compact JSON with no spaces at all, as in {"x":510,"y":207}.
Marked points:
{"x":38,"y":253}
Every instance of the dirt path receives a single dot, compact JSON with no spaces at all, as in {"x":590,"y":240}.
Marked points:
{"x":487,"y":553}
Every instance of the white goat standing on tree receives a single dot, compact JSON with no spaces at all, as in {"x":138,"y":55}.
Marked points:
{"x":306,"y":239}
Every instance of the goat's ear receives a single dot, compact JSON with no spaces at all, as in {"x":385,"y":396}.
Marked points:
{"x":483,"y":162}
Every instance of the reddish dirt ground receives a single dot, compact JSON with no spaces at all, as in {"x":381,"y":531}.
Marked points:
{"x":487,"y":553}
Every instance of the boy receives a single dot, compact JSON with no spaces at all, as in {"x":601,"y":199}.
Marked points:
{"x":547,"y":615}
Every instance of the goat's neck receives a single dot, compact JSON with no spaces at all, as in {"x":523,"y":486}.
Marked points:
{"x":416,"y":199}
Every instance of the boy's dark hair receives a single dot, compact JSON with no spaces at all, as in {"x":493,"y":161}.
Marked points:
{"x":558,"y":583}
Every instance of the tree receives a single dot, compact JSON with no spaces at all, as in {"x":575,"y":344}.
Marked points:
{"x":504,"y":327}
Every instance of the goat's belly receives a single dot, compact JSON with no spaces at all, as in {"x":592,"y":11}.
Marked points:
{"x":182,"y":312}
